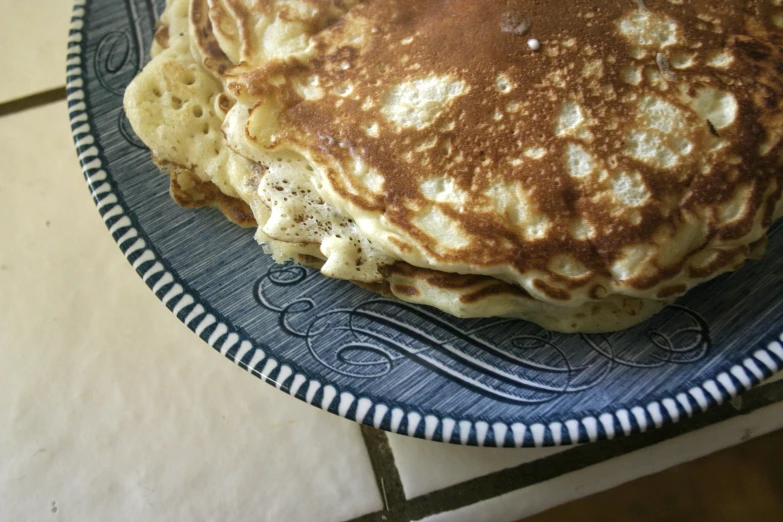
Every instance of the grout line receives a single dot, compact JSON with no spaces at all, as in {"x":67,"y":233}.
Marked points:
{"x":509,"y":480}
{"x":387,"y":477}
{"x":32,"y":101}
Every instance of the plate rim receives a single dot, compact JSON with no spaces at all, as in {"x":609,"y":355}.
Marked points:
{"x":732,"y":377}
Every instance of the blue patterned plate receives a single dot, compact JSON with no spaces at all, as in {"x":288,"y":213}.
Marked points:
{"x":395,"y":366}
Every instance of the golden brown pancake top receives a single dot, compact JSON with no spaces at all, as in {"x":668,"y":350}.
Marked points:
{"x":634,"y":76}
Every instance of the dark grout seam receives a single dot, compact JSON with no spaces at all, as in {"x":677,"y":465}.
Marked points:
{"x":33,"y":101}
{"x":387,"y":477}
{"x":509,"y":480}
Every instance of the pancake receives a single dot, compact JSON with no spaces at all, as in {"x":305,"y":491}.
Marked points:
{"x":177,"y":106}
{"x":636,"y":152}
{"x":365,"y":144}
{"x":298,"y":215}
{"x":172,"y":29}
{"x":320,"y":236}
{"x":235,"y":36}
{"x":472,"y":296}
{"x":177,"y":109}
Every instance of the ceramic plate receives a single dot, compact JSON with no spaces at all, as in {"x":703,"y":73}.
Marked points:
{"x":395,"y":366}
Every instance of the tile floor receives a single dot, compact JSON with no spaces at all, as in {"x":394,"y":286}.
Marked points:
{"x":109,"y":407}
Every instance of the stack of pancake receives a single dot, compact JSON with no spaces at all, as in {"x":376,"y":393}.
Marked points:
{"x":578,"y":165}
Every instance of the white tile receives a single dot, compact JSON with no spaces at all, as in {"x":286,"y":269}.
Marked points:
{"x":109,"y":407}
{"x":33,"y":39}
{"x":528,"y":501}
{"x":429,"y":466}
